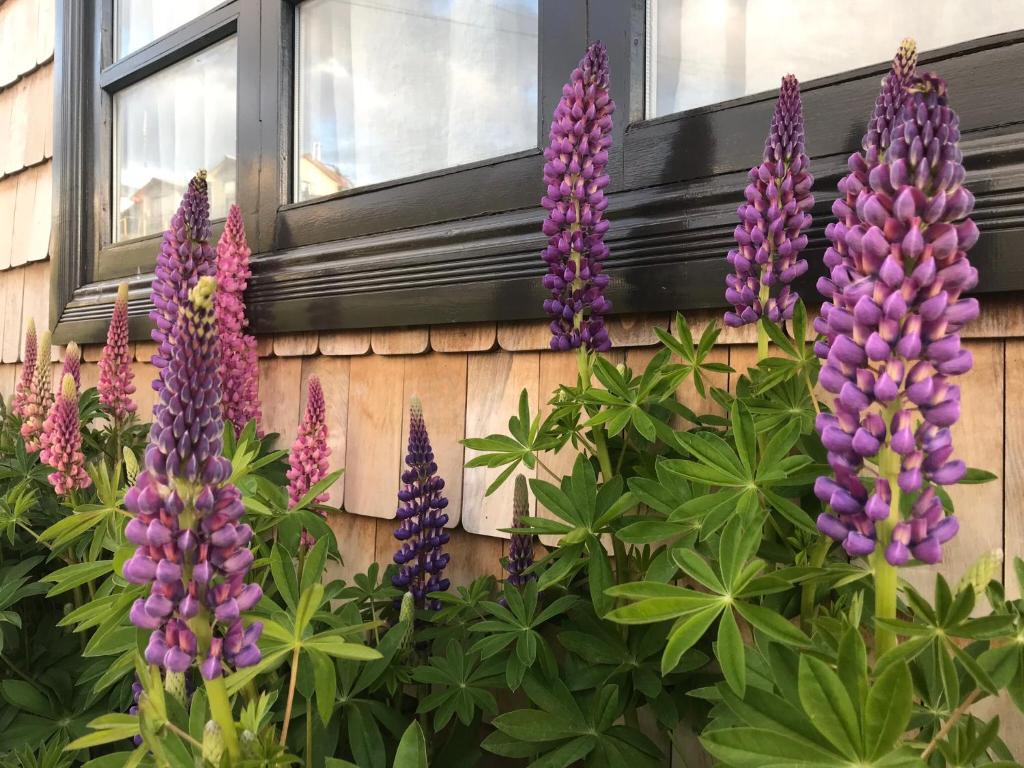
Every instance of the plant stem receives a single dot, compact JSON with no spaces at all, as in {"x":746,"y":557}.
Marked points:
{"x":220,"y":709}
{"x":810,"y":391}
{"x":309,"y":732}
{"x":948,"y":725}
{"x":19,"y":672}
{"x":886,"y":580}
{"x":762,"y":330}
{"x":547,"y":469}
{"x":809,"y":589}
{"x":293,"y":680}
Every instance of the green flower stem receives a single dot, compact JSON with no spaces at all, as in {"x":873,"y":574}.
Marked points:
{"x":886,"y":579}
{"x":220,"y":709}
{"x":309,"y":731}
{"x":762,"y":330}
{"x":818,"y":553}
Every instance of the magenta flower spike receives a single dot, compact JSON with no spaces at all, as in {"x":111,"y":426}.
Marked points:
{"x":421,"y":518}
{"x":574,"y":172}
{"x":28,"y":370}
{"x":185,"y":256}
{"x":239,"y":359}
{"x":73,"y":363}
{"x":193,"y":551}
{"x":115,"y":368}
{"x":773,"y":220}
{"x":61,"y":441}
{"x":39,"y":396}
{"x":893,"y":348}
{"x":308,"y":460}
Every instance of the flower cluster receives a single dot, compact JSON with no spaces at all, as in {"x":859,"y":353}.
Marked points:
{"x":192,"y":549}
{"x":773,"y":220}
{"x":893,"y":348}
{"x":520,"y":547}
{"x":422,"y":518}
{"x":61,"y":440}
{"x":239,"y":360}
{"x":581,"y":135}
{"x":185,"y":256}
{"x":115,"y":369}
{"x":28,"y":369}
{"x":308,"y":460}
{"x":72,"y":363}
{"x":38,"y":396}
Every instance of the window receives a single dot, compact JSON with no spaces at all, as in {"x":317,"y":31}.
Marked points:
{"x":386,"y":154}
{"x":705,"y":51}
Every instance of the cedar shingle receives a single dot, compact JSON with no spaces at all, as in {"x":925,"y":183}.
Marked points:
{"x":399,"y":341}
{"x":12,"y":286}
{"x":463,"y":337}
{"x":344,"y":342}
{"x":8,"y":200}
{"x":295,"y":344}
{"x":24,"y":217}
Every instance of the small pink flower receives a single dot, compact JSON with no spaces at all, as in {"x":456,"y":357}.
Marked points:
{"x":28,"y":369}
{"x":310,"y":453}
{"x":38,"y":397}
{"x":61,"y":441}
{"x":115,"y":373}
{"x":239,"y":360}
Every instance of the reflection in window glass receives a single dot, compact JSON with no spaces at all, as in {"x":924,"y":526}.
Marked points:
{"x":165,"y":128}
{"x":702,"y":52}
{"x":140,"y":22}
{"x":392,"y":88}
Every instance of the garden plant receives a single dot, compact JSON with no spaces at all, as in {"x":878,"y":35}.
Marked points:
{"x":724,"y":586}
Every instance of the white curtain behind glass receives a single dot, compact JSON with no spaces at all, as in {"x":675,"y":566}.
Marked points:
{"x":140,"y":22}
{"x":394,"y":88}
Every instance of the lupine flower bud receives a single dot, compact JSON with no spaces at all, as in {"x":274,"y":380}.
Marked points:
{"x":421,"y":518}
{"x":115,"y":369}
{"x":38,"y":397}
{"x":893,"y":334}
{"x":73,"y":363}
{"x":185,"y":256}
{"x":28,"y":370}
{"x":193,"y":550}
{"x":213,"y":743}
{"x":773,"y":220}
{"x":574,"y":172}
{"x":239,"y":359}
{"x":520,"y":547}
{"x":61,"y":441}
{"x":308,"y":460}
{"x":407,"y":612}
{"x":985,"y":569}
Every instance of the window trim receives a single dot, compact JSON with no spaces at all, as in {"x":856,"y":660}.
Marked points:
{"x":382,"y":256}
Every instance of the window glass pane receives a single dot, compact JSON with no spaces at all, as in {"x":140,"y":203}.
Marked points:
{"x":393,"y":88}
{"x":140,"y":22}
{"x":705,"y":51}
{"x":165,"y":128}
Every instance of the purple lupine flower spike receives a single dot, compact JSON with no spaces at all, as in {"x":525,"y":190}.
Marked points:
{"x":193,"y":550}
{"x":61,"y":441}
{"x":308,"y":460}
{"x":239,"y":359}
{"x":574,"y":171}
{"x":39,"y":396}
{"x":421,"y":519}
{"x":115,"y":369}
{"x":893,"y":337}
{"x":773,"y":220}
{"x":73,"y":363}
{"x":185,"y":256}
{"x":875,"y":143}
{"x":520,"y":547}
{"x":28,"y":370}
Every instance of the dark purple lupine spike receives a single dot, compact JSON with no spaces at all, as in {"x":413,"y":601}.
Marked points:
{"x":893,"y":346}
{"x":422,"y":518}
{"x":192,"y":548}
{"x":770,"y":235}
{"x":520,"y":546}
{"x":574,"y":172}
{"x":185,"y":256}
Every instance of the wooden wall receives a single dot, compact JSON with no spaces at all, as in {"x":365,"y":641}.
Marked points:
{"x":468,"y":377}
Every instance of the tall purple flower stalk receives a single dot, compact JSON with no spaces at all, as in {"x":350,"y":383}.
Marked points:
{"x":192,"y":550}
{"x":773,"y":220}
{"x":239,"y":359}
{"x":28,"y":370}
{"x":893,"y":343}
{"x":308,"y":460}
{"x":185,"y":256}
{"x":520,"y":547}
{"x":115,"y":369}
{"x":61,"y":441}
{"x":422,"y":518}
{"x":574,"y":171}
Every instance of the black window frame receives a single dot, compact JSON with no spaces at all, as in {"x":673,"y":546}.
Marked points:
{"x":463,"y":244}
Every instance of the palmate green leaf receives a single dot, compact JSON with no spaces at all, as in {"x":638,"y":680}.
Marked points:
{"x":599,"y":576}
{"x":318,"y":488}
{"x":888,"y":709}
{"x":412,"y":749}
{"x":731,"y":654}
{"x":71,"y":576}
{"x":762,"y":748}
{"x":828,"y":705}
{"x":697,"y":568}
{"x":772,"y":624}
{"x":652,"y":531}
{"x":285,"y":580}
{"x":685,"y":634}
